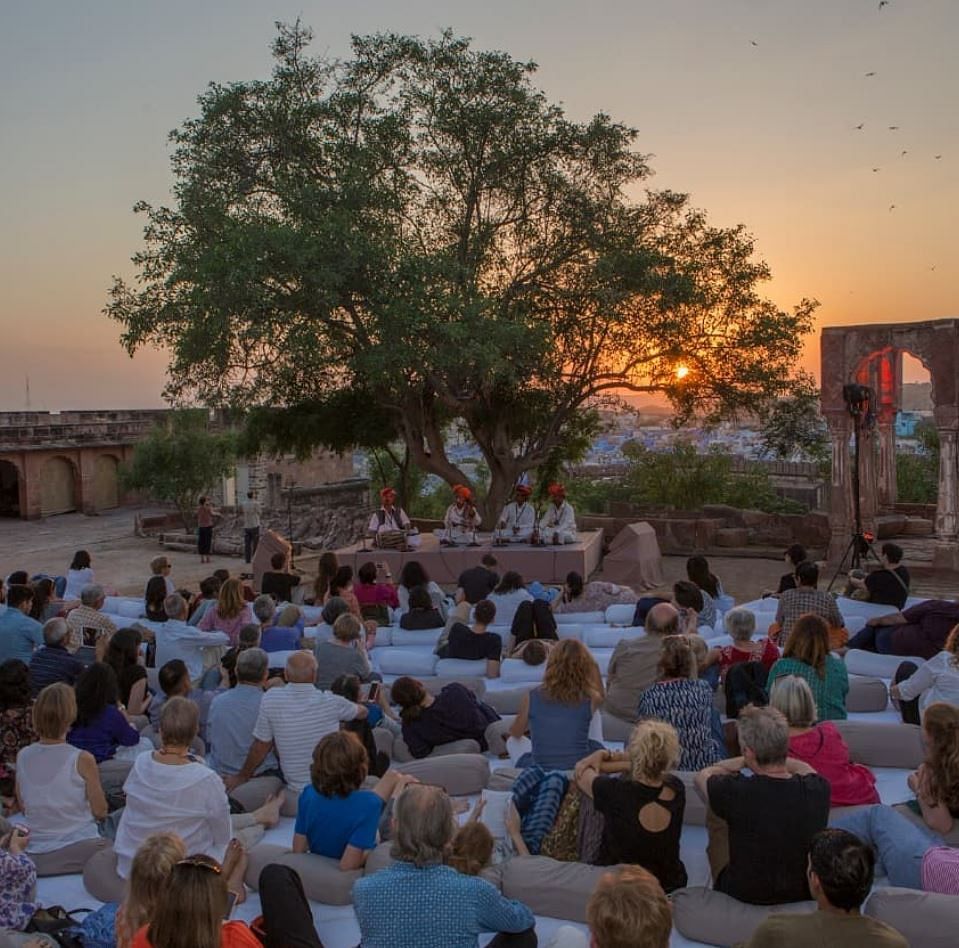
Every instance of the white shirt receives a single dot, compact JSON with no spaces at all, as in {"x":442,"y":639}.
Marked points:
{"x":522,"y":516}
{"x":457,"y":519}
{"x":560,"y":519}
{"x":251,"y":514}
{"x":176,"y":639}
{"x":188,"y":799}
{"x":507,"y":604}
{"x":393,"y":519}
{"x":296,"y":718}
{"x":76,"y":580}
{"x":934,"y":680}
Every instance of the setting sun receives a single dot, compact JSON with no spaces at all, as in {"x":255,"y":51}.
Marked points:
{"x":682,"y":371}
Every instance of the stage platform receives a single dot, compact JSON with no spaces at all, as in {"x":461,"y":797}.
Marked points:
{"x":444,"y":564}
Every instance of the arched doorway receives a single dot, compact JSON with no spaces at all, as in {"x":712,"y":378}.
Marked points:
{"x":9,"y":489}
{"x":106,"y":489}
{"x":58,"y":493}
{"x":917,"y":440}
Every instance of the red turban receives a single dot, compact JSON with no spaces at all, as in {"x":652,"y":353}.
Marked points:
{"x":557,"y":490}
{"x":523,"y":489}
{"x":387,"y":492}
{"x":462,"y":492}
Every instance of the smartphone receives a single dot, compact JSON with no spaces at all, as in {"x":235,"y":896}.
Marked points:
{"x":374,"y":692}
{"x":230,"y":903}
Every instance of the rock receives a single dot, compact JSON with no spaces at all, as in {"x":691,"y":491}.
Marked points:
{"x":890,"y":525}
{"x":755,"y":518}
{"x":917,"y":527}
{"x":724,"y":512}
{"x":732,"y":536}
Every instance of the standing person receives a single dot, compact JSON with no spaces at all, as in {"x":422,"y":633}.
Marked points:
{"x":518,"y":520}
{"x":391,"y":519}
{"x":205,"y":514}
{"x":478,"y":582}
{"x":20,"y":635}
{"x":807,"y":599}
{"x":252,"y":510}
{"x":79,"y":574}
{"x":841,"y":871}
{"x":462,"y":519}
{"x":440,"y":907}
{"x":888,"y":586}
{"x":558,"y":524}
{"x":230,"y":613}
{"x":760,"y":825}
{"x":915,"y":687}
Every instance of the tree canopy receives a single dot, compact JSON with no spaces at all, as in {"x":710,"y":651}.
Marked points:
{"x":378,"y":247}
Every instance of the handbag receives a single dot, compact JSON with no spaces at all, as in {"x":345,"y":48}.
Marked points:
{"x":57,"y":923}
{"x":562,"y":841}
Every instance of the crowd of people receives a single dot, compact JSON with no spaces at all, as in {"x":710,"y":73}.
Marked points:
{"x":153,"y":757}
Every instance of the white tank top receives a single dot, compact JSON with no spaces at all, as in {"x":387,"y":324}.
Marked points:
{"x":54,"y":797}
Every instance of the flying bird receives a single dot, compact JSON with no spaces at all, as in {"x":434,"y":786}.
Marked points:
{"x":860,"y":126}
{"x":903,"y":154}
{"x":869,"y":75}
{"x":893,"y":128}
{"x":753,"y":43}
{"x":892,"y":207}
{"x":938,"y":157}
{"x":883,"y":3}
{"x":874,"y":170}
{"x":932,"y":268}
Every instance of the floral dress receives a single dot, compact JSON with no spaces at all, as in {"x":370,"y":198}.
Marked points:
{"x":16,"y":732}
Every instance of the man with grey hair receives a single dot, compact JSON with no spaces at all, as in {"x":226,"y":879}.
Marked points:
{"x":87,"y":625}
{"x":176,"y":639}
{"x":439,"y":907}
{"x":760,"y":824}
{"x":52,"y":662}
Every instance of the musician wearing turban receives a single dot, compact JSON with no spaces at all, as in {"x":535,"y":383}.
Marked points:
{"x":518,"y":519}
{"x":461,"y":519}
{"x":390,"y":521}
{"x":558,"y":524}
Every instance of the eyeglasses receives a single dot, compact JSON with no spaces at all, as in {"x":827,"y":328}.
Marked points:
{"x":202,"y":862}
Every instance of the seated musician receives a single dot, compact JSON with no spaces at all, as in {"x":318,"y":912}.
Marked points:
{"x":389,"y":526}
{"x":558,"y":524}
{"x":462,"y":519}
{"x":518,"y":519}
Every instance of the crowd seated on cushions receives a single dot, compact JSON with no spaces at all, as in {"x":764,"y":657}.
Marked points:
{"x":476,"y":642}
{"x":578,"y":596}
{"x":916,"y":687}
{"x":807,"y":599}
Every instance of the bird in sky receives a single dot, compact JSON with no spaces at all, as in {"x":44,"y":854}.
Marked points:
{"x":938,"y":157}
{"x":753,"y":43}
{"x":893,"y":128}
{"x":874,"y":170}
{"x":883,"y":3}
{"x":903,"y":153}
{"x":932,"y":268}
{"x":869,"y":75}
{"x":860,"y":126}
{"x":892,"y":207}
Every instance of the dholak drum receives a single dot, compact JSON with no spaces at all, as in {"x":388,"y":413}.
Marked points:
{"x":391,"y":539}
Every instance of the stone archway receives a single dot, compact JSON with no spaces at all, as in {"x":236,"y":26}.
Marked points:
{"x":58,"y":486}
{"x":9,"y":489}
{"x":106,"y":483}
{"x":872,"y":355}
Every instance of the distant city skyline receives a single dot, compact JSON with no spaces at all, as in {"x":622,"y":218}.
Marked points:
{"x":765,"y":113}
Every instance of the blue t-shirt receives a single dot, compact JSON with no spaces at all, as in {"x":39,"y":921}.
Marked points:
{"x":330,"y":824}
{"x":282,"y":638}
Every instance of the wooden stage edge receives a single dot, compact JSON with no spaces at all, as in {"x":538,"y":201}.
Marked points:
{"x":444,"y":564}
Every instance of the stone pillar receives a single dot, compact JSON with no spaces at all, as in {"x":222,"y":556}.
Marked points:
{"x":888,"y":486}
{"x":947,"y":508}
{"x":840,"y":491}
{"x":868,"y":479}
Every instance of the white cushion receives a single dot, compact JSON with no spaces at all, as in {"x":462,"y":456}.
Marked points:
{"x":873,"y":665}
{"x":461,"y":668}
{"x":516,"y":670}
{"x":126,"y":606}
{"x":319,"y":633}
{"x":419,"y":637}
{"x":311,"y":614}
{"x":602,"y":656}
{"x":570,"y":632}
{"x":384,"y":636}
{"x":620,"y":613}
{"x":406,"y":661}
{"x":604,"y":636}
{"x":581,"y":618}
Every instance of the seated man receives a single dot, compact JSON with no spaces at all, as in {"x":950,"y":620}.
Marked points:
{"x":461,"y":520}
{"x":292,"y":721}
{"x":920,"y":630}
{"x":518,"y":520}
{"x":420,"y":901}
{"x":88,"y":625}
{"x":476,"y":643}
{"x":176,"y":639}
{"x":759,"y":844}
{"x":389,"y":521}
{"x":841,"y":870}
{"x":279,"y":582}
{"x":558,"y":524}
{"x":174,"y":680}
{"x":888,"y":586}
{"x":209,"y":590}
{"x":478,"y":582}
{"x":53,"y":662}
{"x":804,"y":599}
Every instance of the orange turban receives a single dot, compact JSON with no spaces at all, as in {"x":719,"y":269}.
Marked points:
{"x":387,"y":492}
{"x":557,"y":490}
{"x":462,"y":492}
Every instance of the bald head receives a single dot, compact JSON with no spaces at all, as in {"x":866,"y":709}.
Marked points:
{"x":662,"y":619}
{"x":301,"y":667}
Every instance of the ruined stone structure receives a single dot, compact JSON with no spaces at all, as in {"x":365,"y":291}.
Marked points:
{"x":872,"y":355}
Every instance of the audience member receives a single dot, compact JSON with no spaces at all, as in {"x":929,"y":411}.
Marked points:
{"x":333,"y":609}
{"x":174,"y":680}
{"x":635,"y":662}
{"x":412,"y":575}
{"x":915,"y":687}
{"x":52,"y":662}
{"x":102,"y":725}
{"x":508,"y":595}
{"x":422,"y":613}
{"x":341,"y":586}
{"x":821,"y":745}
{"x":326,"y":569}
{"x":343,"y":654}
{"x":88,"y":626}
{"x":740,"y":625}
{"x":806,"y":599}
{"x":46,"y":605}
{"x":378,"y":712}
{"x":441,"y":907}
{"x":63,"y":824}
{"x":375,"y":592}
{"x":534,"y":651}
{"x":686,"y":702}
{"x":230,"y":613}
{"x":79,"y":574}
{"x":479,"y":581}
{"x":841,"y":870}
{"x":642,"y":802}
{"x":793,"y":556}
{"x":807,"y":655}
{"x":430,"y":721}
{"x":533,"y":620}
{"x":920,"y":630}
{"x":279,"y":581}
{"x":123,"y":656}
{"x":596,"y":596}
{"x":153,"y":598}
{"x":697,"y":571}
{"x":689,"y":602}
{"x":209,"y":591}
{"x":292,"y":721}
{"x":776,"y":809}
{"x":162,"y":567}
{"x":936,"y":782}
{"x":279,"y":632}
{"x":559,"y":713}
{"x":18,"y":891}
{"x":19,"y":634}
{"x":335,"y":816}
{"x":16,"y":710}
{"x":476,"y":643}
{"x":179,"y":640}
{"x":889,"y":585}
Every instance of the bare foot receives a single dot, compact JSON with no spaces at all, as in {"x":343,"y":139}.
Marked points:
{"x":268,"y":815}
{"x":234,"y":868}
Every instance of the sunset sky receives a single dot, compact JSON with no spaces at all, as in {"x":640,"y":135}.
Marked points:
{"x":760,"y":134}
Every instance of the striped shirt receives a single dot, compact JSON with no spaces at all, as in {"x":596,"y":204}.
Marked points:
{"x":940,"y":870}
{"x":296,"y":718}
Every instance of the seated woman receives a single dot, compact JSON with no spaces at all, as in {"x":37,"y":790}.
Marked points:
{"x":740,"y":625}
{"x":697,"y":571}
{"x":341,"y":587}
{"x":376,"y":598}
{"x":349,"y":687}
{"x":429,"y":721}
{"x":821,"y":745}
{"x":413,"y":575}
{"x":422,"y":613}
{"x":123,"y":656}
{"x":153,"y":598}
{"x":558,"y":713}
{"x":936,"y":680}
{"x":63,"y":825}
{"x":79,"y":574}
{"x":642,"y":805}
{"x":171,"y":790}
{"x":508,"y":595}
{"x":596,"y":596}
{"x":335,"y":817}
{"x":936,"y":782}
{"x":686,"y":702}
{"x":18,"y":893}
{"x":230,"y":612}
{"x":102,"y":726}
{"x":46,"y":603}
{"x":16,"y":711}
{"x":326,"y":568}
{"x":807,"y":655}
{"x":343,"y":654}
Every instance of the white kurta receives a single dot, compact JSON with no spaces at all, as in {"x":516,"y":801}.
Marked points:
{"x":516,"y":522}
{"x":558,"y":520}
{"x":460,"y":526}
{"x":393,"y":519}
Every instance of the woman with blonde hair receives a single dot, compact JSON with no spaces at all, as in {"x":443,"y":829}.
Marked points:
{"x":229,"y":613}
{"x":558,"y":713}
{"x":916,"y":687}
{"x":821,"y":745}
{"x":641,"y":800}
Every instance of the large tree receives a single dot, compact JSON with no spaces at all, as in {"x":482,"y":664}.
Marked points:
{"x":416,"y":237}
